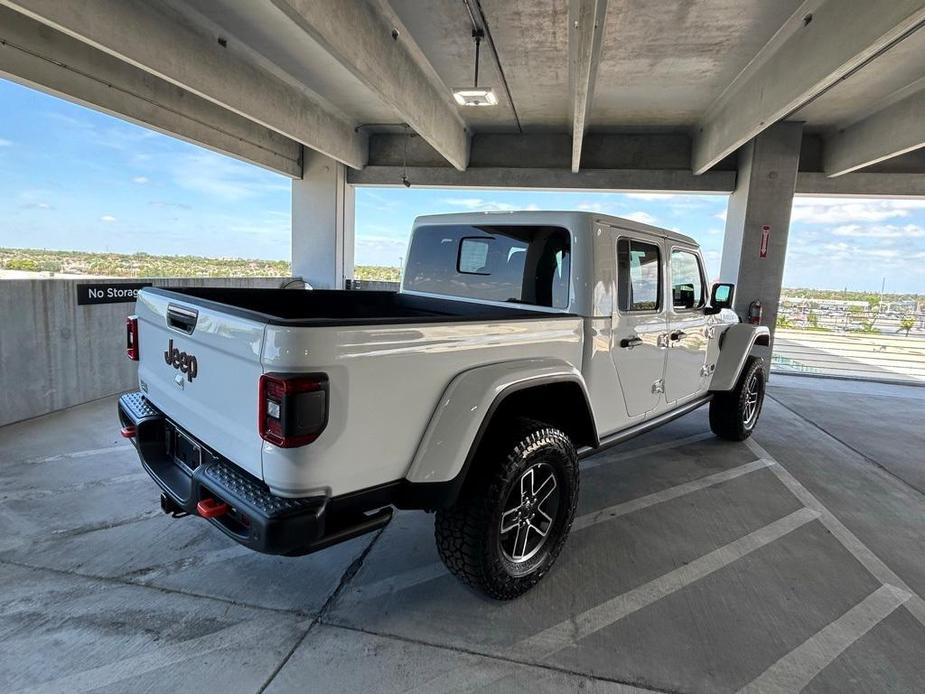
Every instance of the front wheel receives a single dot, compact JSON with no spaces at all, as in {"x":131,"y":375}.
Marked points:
{"x":512,"y":517}
{"x":733,"y":415}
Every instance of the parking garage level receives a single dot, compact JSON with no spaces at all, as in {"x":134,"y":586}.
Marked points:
{"x":790,"y":562}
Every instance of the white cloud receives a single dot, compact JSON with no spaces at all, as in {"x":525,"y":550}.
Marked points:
{"x":108,"y":218}
{"x":379,"y":250}
{"x":590,"y":207}
{"x":887,"y":231}
{"x":721,"y":215}
{"x":140,"y":179}
{"x":652,"y":196}
{"x":643,"y":217}
{"x":851,"y":210}
{"x":221,"y":177}
{"x":480,"y":205}
{"x":5,"y":143}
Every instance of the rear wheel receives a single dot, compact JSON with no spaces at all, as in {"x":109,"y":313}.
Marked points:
{"x":512,"y":517}
{"x":733,"y":415}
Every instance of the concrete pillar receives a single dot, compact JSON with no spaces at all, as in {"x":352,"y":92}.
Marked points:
{"x":758,"y":221}
{"x":322,"y":223}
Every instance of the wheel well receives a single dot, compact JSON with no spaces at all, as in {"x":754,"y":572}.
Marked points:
{"x":562,"y":405}
{"x":763,"y":340}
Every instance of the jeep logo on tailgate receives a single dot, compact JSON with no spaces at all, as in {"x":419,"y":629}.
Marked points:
{"x":186,"y":363}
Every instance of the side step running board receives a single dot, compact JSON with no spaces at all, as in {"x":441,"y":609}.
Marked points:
{"x":643,"y":427}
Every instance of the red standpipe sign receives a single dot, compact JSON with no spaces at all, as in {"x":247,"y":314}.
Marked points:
{"x":765,"y":236}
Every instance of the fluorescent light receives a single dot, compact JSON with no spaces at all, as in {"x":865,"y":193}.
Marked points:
{"x":475,"y":96}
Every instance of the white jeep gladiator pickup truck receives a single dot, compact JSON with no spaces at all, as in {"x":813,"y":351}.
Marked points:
{"x":519,"y":342}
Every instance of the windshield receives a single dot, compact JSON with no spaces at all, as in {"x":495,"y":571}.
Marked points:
{"x":515,"y":264}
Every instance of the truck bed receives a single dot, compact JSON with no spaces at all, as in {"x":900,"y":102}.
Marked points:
{"x":320,"y":307}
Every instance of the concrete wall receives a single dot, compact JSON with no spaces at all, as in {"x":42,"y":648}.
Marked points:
{"x":373,"y":285}
{"x":56,"y":354}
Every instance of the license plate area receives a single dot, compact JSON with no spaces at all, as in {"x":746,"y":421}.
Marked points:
{"x":184,"y":450}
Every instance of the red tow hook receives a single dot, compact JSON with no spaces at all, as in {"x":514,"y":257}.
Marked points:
{"x":129,"y":432}
{"x":212,"y":508}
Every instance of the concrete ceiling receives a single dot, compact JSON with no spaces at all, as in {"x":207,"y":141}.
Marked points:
{"x":327,"y":74}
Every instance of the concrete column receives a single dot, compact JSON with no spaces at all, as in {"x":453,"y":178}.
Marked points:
{"x":322,"y":223}
{"x":760,"y":206}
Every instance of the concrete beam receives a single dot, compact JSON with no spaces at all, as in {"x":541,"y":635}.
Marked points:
{"x":861,"y":184}
{"x":895,"y":130}
{"x":41,"y":57}
{"x":814,"y":51}
{"x":358,"y":37}
{"x":586,"y":27}
{"x":612,"y":180}
{"x":547,"y":150}
{"x":143,"y":35}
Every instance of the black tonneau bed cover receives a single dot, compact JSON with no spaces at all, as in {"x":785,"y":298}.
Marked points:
{"x":320,"y":307}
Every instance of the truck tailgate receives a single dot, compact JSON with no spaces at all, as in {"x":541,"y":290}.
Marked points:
{"x":201,"y":367}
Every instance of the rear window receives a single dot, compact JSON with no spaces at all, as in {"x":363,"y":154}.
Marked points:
{"x":515,"y":264}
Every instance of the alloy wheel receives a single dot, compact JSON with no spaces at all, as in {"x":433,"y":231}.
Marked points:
{"x":531,"y":507}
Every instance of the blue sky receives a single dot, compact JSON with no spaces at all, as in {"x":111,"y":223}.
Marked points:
{"x":75,"y":179}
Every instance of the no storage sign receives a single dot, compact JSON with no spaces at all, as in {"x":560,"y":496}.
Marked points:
{"x":111,"y":293}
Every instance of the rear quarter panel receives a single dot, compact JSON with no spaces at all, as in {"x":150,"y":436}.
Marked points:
{"x":385,"y":383}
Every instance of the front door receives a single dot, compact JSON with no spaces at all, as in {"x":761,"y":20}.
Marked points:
{"x":640,"y":323}
{"x":688,"y":327}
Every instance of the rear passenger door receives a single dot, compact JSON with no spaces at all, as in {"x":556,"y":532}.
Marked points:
{"x":688,"y":327}
{"x":639,"y":321}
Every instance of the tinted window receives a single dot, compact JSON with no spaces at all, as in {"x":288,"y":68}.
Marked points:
{"x":639,"y":276}
{"x":517,"y":264}
{"x":686,"y":280}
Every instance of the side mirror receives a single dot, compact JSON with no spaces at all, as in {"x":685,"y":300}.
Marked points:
{"x":721,"y":297}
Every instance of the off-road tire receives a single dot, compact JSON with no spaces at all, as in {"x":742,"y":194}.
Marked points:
{"x":728,"y":411}
{"x":468,"y":534}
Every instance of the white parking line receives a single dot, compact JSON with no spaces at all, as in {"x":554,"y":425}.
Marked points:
{"x":849,"y":540}
{"x":238,"y":636}
{"x":569,"y":632}
{"x":605,"y":458}
{"x":664,"y":495}
{"x":796,"y":669}
{"x":430,"y":572}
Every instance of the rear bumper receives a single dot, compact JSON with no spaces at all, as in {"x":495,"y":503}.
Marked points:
{"x":255,"y":517}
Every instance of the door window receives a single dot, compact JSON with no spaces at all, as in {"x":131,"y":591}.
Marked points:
{"x":686,"y":280}
{"x":639,"y":276}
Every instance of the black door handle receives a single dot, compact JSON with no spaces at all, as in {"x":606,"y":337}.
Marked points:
{"x":631,"y":341}
{"x":677,"y":335}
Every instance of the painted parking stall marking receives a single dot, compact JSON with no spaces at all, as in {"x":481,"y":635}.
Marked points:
{"x":569,"y":632}
{"x":640,"y":503}
{"x":796,"y":669}
{"x":429,"y":572}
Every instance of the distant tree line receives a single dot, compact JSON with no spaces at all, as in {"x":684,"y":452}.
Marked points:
{"x":146,"y":265}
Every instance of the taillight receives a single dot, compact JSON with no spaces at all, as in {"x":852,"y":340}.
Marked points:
{"x":131,"y":337}
{"x":293,"y":408}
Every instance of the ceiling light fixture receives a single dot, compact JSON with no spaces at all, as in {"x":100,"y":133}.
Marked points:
{"x":475,"y":95}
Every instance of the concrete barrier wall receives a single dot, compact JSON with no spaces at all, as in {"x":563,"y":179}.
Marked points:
{"x":373,"y":285}
{"x":56,"y":354}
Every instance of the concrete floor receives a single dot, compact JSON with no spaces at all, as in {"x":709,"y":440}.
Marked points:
{"x":795,"y":561}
